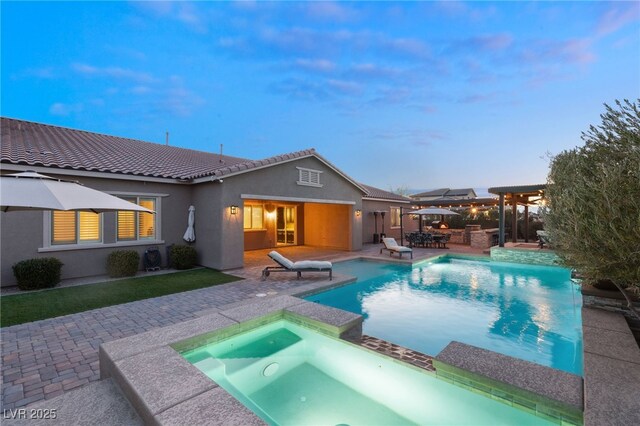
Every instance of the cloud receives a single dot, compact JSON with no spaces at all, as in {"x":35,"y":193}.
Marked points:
{"x":617,"y":16}
{"x":330,"y":11}
{"x":415,"y":137}
{"x":369,"y":70}
{"x":573,"y":51}
{"x":189,"y":15}
{"x":345,"y":87}
{"x":181,"y":11}
{"x":62,"y":109}
{"x":490,"y":43}
{"x":140,"y":90}
{"x":315,"y":65}
{"x":113,"y":72}
{"x":458,"y":9}
{"x":298,"y":42}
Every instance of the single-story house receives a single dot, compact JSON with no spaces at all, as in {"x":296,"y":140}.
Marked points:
{"x":241,"y":204}
{"x":395,"y":208}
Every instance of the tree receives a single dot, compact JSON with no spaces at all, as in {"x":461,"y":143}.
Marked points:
{"x":593,"y":191}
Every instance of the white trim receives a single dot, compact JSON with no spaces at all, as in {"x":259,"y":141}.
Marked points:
{"x":69,"y":247}
{"x":386,"y":200}
{"x":315,"y":185}
{"x":136,"y":194}
{"x":214,"y":178}
{"x":315,"y":154}
{"x":103,"y":175}
{"x":297,"y":199}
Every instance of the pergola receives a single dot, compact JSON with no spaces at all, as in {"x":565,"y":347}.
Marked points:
{"x":524,"y":195}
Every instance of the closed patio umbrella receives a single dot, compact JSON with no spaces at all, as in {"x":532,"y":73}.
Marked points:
{"x":33,"y":191}
{"x":190,"y":234}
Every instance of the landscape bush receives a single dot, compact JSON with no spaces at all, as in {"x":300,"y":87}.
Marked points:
{"x":123,"y":263}
{"x":593,"y":214}
{"x":183,"y":257}
{"x":34,"y":274}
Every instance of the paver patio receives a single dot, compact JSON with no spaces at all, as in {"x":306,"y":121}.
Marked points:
{"x":44,"y":359}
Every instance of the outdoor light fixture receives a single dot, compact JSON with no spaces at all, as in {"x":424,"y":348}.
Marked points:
{"x":358,"y":212}
{"x":234,"y":209}
{"x":474,"y":210}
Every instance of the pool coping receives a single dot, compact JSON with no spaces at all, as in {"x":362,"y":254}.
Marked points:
{"x":162,"y":385}
{"x":546,"y":392}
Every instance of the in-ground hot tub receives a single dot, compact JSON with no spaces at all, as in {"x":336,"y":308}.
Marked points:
{"x":289,"y":374}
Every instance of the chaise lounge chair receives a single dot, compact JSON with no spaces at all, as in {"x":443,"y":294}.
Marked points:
{"x":391,"y":245}
{"x":299,"y":267}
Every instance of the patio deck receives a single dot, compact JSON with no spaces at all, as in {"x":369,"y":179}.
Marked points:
{"x":44,"y":359}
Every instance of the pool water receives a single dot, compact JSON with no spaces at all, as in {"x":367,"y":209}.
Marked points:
{"x":291,"y":375}
{"x":526,"y":311}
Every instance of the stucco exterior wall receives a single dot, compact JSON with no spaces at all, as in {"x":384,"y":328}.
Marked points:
{"x":368,"y":222}
{"x":220,"y":236}
{"x":23,"y":233}
{"x":224,"y":236}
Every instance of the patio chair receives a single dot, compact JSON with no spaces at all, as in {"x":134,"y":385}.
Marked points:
{"x":299,"y":267}
{"x":391,"y":245}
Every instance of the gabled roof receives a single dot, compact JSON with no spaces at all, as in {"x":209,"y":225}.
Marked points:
{"x":36,"y":144}
{"x":373,"y":192}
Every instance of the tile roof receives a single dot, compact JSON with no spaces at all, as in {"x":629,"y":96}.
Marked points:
{"x":36,"y":144}
{"x":373,"y":192}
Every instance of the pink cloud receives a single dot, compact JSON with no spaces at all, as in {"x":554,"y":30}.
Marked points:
{"x":618,"y":15}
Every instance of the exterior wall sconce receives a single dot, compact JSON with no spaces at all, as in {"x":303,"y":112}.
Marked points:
{"x":234,"y":209}
{"x":358,"y":213}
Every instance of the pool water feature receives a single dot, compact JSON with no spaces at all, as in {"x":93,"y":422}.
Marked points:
{"x":526,"y":311}
{"x":290,"y":375}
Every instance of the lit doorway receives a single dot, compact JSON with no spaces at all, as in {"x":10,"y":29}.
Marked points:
{"x":286,"y":225}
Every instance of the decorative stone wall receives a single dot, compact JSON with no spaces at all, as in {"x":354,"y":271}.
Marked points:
{"x":483,"y":238}
{"x":516,"y":255}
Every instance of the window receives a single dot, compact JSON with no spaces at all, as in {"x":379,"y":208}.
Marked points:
{"x":75,"y":227}
{"x":309,"y":177}
{"x":395,"y":217}
{"x":132,"y":226}
{"x":253,"y":217}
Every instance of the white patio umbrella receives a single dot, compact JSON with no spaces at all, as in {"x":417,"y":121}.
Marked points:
{"x":432,"y":210}
{"x":33,"y":191}
{"x":190,"y":234}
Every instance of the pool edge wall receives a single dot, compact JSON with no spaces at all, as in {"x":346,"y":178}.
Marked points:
{"x":161,"y":384}
{"x":545,"y":392}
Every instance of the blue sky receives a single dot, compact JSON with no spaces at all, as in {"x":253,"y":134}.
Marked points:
{"x":396,"y":94}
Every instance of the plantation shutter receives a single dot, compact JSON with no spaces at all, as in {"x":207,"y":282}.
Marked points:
{"x":256,"y":217}
{"x":127,"y":223}
{"x":64,"y":227}
{"x":89,"y":227}
{"x":247,"y":217}
{"x":147,"y":221}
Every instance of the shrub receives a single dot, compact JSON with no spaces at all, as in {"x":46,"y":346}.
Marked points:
{"x":183,"y":257}
{"x":123,"y":263}
{"x":34,"y":274}
{"x":594,"y":200}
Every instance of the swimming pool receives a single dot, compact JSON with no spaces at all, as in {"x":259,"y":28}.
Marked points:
{"x":290,"y":375}
{"x":526,"y":311}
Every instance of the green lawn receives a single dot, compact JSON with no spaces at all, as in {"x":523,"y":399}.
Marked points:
{"x":21,"y":308}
